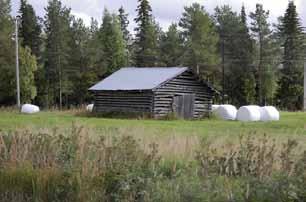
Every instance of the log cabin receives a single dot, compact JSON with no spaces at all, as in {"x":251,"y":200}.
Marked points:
{"x":157,"y":91}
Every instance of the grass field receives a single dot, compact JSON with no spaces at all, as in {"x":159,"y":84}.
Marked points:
{"x":56,"y":156}
{"x":174,"y":137}
{"x":290,"y":124}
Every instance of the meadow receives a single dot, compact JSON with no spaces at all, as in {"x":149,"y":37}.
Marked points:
{"x":73,"y":156}
{"x":291,"y":123}
{"x":176,"y":138}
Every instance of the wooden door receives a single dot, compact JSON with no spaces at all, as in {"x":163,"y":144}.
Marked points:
{"x":183,"y":105}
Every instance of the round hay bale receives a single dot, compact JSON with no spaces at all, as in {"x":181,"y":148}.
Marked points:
{"x":249,"y":113}
{"x":29,"y":109}
{"x":269,"y":113}
{"x":227,"y":112}
{"x":89,"y":108}
{"x":214,"y":107}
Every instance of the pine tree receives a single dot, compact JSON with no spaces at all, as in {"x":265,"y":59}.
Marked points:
{"x":94,"y":49}
{"x":200,"y":38}
{"x":112,"y":42}
{"x":290,"y":92}
{"x":233,"y":34}
{"x":146,"y":42}
{"x":29,"y":29}
{"x":266,"y":66}
{"x":58,"y":33}
{"x":246,"y":60}
{"x":171,"y":46}
{"x":7,"y":56}
{"x":82,"y":75}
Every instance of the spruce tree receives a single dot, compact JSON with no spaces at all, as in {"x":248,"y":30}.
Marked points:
{"x":58,"y":41}
{"x":94,"y":49}
{"x":82,"y":75}
{"x":171,"y":46}
{"x":200,"y":36}
{"x":266,"y":80}
{"x":7,"y":55}
{"x":29,"y":28}
{"x":290,"y":92}
{"x":27,"y":62}
{"x":246,"y":61}
{"x":30,"y":35}
{"x":112,"y":43}
{"x":124,"y":23}
{"x":79,"y":39}
{"x":243,"y":17}
{"x":233,"y":49}
{"x":146,"y":42}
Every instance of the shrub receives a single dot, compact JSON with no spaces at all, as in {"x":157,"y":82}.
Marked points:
{"x":73,"y":167}
{"x":78,"y":167}
{"x":255,"y":170}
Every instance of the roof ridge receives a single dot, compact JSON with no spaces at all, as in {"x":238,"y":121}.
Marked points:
{"x":152,"y":67}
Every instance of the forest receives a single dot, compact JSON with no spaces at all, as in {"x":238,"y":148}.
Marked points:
{"x":244,"y":56}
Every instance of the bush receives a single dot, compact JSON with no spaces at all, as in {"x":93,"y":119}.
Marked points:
{"x":28,"y":184}
{"x":254,"y":170}
{"x":73,"y":167}
{"x":77,"y":167}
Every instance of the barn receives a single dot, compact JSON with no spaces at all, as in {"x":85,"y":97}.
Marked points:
{"x":157,"y":91}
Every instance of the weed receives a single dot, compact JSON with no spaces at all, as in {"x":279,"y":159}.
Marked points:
{"x":76,"y":165}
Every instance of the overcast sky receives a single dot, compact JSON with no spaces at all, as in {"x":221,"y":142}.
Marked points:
{"x":165,"y":11}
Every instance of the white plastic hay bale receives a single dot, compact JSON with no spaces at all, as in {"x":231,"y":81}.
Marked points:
{"x":269,"y":113}
{"x":249,"y":113}
{"x":227,"y":112}
{"x":29,"y":109}
{"x":89,"y":108}
{"x":214,"y":107}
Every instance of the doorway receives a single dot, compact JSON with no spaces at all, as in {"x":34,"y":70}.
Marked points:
{"x":183,"y":105}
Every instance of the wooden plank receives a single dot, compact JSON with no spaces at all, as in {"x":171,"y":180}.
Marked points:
{"x":188,"y":105}
{"x":122,"y":105}
{"x":187,"y":83}
{"x":117,"y":97}
{"x":124,"y":100}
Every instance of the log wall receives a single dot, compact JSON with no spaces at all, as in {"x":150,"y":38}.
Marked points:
{"x":123,"y":101}
{"x":185,"y":83}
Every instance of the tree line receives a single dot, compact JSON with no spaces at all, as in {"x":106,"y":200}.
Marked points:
{"x":246,"y":58}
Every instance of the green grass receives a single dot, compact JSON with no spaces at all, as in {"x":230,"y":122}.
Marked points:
{"x":290,"y":124}
{"x":166,"y":160}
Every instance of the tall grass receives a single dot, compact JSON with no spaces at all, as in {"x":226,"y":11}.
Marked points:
{"x":77,"y":165}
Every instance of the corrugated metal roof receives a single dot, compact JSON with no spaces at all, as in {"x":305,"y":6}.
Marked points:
{"x":138,"y":78}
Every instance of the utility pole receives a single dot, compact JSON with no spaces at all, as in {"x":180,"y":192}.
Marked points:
{"x":223,"y":71}
{"x":60,"y":82}
{"x":260,"y":68}
{"x":17,"y":62}
{"x":305,"y":85}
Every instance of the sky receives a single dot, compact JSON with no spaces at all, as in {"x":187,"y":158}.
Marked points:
{"x":165,"y":11}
